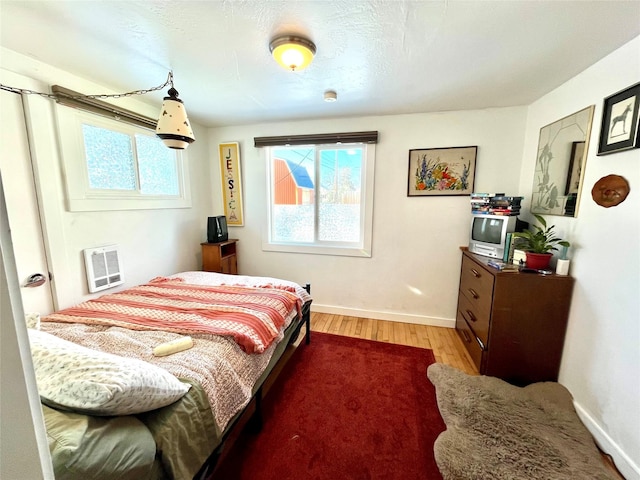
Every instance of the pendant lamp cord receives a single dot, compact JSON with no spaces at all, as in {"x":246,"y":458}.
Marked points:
{"x":24,"y":91}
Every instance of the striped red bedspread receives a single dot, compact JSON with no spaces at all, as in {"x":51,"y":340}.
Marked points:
{"x":252,"y":316}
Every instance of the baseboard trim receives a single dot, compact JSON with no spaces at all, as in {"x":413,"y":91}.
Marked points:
{"x":390,"y":316}
{"x":623,"y":463}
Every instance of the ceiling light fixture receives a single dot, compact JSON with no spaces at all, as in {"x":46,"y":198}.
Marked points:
{"x":292,"y":52}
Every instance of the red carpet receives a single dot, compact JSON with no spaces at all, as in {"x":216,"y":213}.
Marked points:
{"x":344,"y":408}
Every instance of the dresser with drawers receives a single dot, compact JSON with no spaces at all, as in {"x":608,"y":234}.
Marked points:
{"x":512,"y":323}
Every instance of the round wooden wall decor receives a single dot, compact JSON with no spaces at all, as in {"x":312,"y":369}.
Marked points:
{"x":609,"y":191}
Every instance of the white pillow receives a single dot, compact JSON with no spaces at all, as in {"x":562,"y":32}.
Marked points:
{"x":80,"y":379}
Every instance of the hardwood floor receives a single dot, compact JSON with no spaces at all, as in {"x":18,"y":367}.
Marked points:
{"x":444,"y":342}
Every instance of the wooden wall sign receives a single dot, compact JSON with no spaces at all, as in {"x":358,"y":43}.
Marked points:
{"x":231,"y":183}
{"x":610,"y":191}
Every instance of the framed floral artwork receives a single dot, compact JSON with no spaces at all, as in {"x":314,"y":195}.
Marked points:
{"x":441,"y":171}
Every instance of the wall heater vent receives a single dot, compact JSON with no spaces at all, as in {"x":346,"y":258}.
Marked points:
{"x":104,"y":269}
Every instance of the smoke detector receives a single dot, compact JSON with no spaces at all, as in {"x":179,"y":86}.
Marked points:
{"x":330,"y":96}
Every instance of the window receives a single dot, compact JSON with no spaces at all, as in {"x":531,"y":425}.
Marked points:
{"x":321,"y":198}
{"x":112,"y":165}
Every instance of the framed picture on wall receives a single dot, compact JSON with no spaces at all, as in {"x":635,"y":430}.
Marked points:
{"x":619,"y":129}
{"x":560,"y":164}
{"x":575,"y":168}
{"x":441,"y":171}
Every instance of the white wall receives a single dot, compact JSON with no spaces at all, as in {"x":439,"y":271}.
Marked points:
{"x":601,"y":361}
{"x":414,"y":270}
{"x":152,"y":242}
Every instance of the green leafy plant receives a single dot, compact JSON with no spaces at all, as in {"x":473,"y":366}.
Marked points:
{"x":541,"y":239}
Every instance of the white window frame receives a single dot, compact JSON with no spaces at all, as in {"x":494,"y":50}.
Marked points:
{"x":360,"y":249}
{"x":80,"y":197}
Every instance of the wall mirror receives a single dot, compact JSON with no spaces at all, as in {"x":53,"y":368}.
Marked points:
{"x":560,"y":164}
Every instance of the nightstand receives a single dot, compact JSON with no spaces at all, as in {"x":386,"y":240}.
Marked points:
{"x":220,"y":257}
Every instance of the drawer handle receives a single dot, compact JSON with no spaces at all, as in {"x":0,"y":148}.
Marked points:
{"x":472,"y":317}
{"x":474,"y":294}
{"x":475,"y":273}
{"x":466,"y":336}
{"x":480,"y":343}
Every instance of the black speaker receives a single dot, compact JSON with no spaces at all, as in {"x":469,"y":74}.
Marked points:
{"x":217,"y":229}
{"x":521,"y":225}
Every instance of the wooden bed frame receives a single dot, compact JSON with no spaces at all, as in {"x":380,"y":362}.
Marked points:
{"x":251,"y":415}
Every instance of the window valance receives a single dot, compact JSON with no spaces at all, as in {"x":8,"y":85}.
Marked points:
{"x":70,"y":98}
{"x":317,"y":139}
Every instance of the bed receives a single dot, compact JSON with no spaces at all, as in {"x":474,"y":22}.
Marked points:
{"x":113,"y":409}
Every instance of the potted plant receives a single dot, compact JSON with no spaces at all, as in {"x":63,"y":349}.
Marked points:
{"x":539,"y":244}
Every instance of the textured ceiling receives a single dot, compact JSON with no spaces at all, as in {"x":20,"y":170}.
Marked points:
{"x":381,"y":56}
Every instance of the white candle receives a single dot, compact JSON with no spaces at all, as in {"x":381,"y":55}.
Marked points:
{"x":562,"y":267}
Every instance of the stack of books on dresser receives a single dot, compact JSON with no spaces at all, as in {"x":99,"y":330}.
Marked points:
{"x":503,"y":265}
{"x":495,"y":204}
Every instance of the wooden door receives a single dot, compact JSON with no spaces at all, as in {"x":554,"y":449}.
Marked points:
{"x":22,"y":207}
